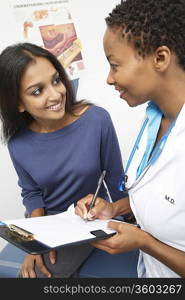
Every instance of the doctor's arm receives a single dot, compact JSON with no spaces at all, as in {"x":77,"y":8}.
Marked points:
{"x":129,"y":237}
{"x":171,"y":257}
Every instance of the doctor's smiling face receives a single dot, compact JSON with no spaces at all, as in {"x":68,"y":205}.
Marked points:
{"x":132,"y":75}
{"x":43,"y":94}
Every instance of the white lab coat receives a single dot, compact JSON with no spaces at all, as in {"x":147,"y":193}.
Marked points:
{"x":158,"y":199}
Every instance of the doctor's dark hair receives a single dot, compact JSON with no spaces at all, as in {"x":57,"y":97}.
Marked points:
{"x":149,"y":24}
{"x":14,"y":61}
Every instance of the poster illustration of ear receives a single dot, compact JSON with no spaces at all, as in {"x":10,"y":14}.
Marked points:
{"x":49,"y":24}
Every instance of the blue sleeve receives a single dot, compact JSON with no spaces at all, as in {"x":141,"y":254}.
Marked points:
{"x":111,"y":159}
{"x":31,"y":193}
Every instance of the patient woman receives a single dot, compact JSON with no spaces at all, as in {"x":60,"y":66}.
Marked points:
{"x":59,"y":146}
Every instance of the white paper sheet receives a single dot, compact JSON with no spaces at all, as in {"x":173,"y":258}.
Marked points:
{"x":60,"y":229}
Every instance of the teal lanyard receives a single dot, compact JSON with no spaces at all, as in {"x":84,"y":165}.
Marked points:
{"x":153,"y":120}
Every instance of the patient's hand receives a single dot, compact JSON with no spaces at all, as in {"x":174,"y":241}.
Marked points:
{"x":30,"y":261}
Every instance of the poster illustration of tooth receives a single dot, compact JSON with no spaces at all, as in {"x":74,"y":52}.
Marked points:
{"x":49,"y":24}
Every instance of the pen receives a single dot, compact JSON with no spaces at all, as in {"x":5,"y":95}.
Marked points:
{"x":100,"y":181}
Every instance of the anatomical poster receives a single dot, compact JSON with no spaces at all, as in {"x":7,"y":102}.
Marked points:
{"x":49,"y":24}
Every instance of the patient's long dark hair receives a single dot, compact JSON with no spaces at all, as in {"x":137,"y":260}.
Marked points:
{"x":14,"y":60}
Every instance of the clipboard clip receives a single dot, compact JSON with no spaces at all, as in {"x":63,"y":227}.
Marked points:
{"x":22,"y":233}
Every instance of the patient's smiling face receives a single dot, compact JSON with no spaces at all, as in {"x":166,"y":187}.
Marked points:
{"x":43,"y":94}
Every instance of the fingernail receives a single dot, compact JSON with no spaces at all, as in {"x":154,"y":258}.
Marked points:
{"x":90,"y":215}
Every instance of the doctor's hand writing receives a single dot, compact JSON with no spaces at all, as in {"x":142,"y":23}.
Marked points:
{"x":128,"y":237}
{"x":101,"y":210}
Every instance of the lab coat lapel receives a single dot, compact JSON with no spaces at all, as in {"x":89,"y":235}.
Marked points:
{"x":167,"y":155}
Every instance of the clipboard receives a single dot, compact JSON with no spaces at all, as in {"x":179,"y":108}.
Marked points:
{"x":33,"y":243}
{"x":29,"y":246}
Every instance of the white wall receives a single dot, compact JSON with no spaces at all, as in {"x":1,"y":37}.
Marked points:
{"x":91,"y":26}
{"x":89,"y":21}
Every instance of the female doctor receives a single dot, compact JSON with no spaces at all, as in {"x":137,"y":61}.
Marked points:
{"x":145,"y":46}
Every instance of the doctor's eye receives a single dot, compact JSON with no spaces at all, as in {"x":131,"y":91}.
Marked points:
{"x":114,"y":67}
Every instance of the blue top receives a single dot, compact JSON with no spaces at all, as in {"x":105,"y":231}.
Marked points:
{"x":58,"y":168}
